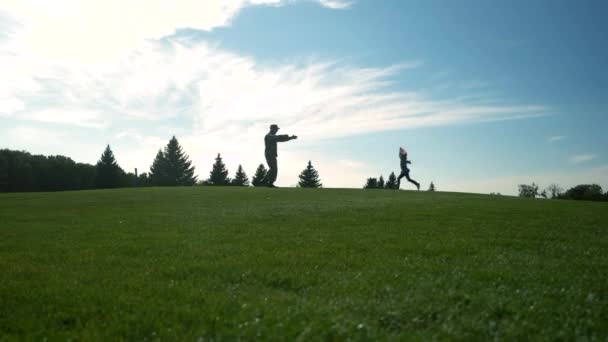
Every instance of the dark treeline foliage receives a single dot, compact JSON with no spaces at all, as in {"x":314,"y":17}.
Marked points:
{"x":380,"y":183}
{"x":22,"y":171}
{"x":586,"y":192}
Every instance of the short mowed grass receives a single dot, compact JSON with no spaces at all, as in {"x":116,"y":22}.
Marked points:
{"x":225,"y":263}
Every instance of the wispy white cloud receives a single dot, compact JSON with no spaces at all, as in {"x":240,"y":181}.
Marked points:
{"x":82,"y":118}
{"x":98,"y":30}
{"x":556,"y":138}
{"x":220,"y":92}
{"x":581,"y":158}
{"x":336,"y":4}
{"x":29,"y":134}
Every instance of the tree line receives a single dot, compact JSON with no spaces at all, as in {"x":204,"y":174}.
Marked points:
{"x":389,"y":184}
{"x":586,"y":192}
{"x":21,"y":171}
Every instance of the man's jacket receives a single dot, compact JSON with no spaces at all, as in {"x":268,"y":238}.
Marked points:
{"x":271,"y":141}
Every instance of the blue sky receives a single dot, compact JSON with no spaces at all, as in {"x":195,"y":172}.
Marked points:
{"x":485,"y":95}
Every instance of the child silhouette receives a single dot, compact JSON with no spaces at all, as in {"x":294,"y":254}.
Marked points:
{"x":405,"y":171}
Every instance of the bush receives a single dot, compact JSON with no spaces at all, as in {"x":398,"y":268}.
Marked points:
{"x":587,"y":192}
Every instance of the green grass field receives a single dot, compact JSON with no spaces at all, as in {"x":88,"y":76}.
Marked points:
{"x":287,"y":264}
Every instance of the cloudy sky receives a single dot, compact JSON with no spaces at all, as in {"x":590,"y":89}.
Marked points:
{"x":484,"y":94}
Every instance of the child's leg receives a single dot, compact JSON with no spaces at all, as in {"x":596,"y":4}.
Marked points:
{"x":401,"y":175}
{"x":407,"y":176}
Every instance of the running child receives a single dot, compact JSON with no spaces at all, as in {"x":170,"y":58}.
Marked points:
{"x":405,"y":171}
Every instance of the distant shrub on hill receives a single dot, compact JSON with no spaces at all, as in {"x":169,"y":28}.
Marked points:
{"x":587,"y":192}
{"x":528,"y":191}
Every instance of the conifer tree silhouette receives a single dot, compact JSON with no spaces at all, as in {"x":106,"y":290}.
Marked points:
{"x":159,"y":170}
{"x":371,"y":183}
{"x":180,"y":167}
{"x":172,"y":166}
{"x":259,"y":176}
{"x":391,"y":183}
{"x":107,"y":172}
{"x":219,"y":173}
{"x":309,"y":178}
{"x":240,"y":178}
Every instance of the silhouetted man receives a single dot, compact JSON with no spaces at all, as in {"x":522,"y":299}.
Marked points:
{"x":271,"y":139}
{"x":405,"y":171}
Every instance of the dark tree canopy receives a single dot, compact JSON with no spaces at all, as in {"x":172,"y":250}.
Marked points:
{"x":588,"y":192}
{"x":219,"y":173}
{"x":144,"y":180}
{"x":309,"y":178}
{"x":432,"y":187}
{"x":172,"y":166}
{"x":22,"y":171}
{"x":371,"y":183}
{"x":259,"y":176}
{"x":391,"y":183}
{"x":555,"y":190}
{"x":107,"y":172}
{"x":529,"y":191}
{"x":159,"y":170}
{"x":381,"y":182}
{"x":240,"y":178}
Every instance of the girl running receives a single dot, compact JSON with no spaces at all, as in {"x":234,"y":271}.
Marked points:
{"x":405,"y":171}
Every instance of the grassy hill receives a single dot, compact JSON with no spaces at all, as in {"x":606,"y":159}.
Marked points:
{"x":283,"y":264}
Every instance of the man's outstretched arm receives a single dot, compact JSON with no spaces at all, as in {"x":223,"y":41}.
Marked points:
{"x":284,"y":137}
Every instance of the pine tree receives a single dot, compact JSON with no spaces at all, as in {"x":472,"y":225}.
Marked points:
{"x":180,"y":169}
{"x":381,"y":182}
{"x":309,"y":178}
{"x":172,"y":166}
{"x":432,"y":187}
{"x":107,"y":172}
{"x":159,"y":171}
{"x":372,"y":183}
{"x":391,"y":184}
{"x":240,"y":178}
{"x":260,"y":175}
{"x":219,"y":173}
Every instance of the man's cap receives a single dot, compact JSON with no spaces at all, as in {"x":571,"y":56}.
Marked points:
{"x":402,"y":151}
{"x":273,"y":126}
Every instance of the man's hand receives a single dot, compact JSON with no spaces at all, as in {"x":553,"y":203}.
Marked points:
{"x":294,"y":137}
